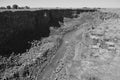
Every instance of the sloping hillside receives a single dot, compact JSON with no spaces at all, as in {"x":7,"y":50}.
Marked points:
{"x":82,"y":48}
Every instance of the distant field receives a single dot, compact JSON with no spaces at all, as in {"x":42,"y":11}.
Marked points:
{"x":34,"y":9}
{"x":113,"y":10}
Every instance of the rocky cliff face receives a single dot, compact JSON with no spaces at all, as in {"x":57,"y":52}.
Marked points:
{"x":19,"y":27}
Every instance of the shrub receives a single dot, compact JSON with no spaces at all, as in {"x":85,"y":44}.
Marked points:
{"x":8,"y":7}
{"x":27,"y":7}
{"x":2,"y":8}
{"x":15,"y":6}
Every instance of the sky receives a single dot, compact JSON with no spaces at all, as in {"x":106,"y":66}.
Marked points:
{"x":63,"y":3}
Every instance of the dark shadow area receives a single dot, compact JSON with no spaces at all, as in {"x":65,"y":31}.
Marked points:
{"x":20,"y":27}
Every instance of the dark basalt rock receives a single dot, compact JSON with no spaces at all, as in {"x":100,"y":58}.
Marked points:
{"x":20,"y":27}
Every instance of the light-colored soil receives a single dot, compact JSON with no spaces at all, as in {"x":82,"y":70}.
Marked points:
{"x":113,"y":10}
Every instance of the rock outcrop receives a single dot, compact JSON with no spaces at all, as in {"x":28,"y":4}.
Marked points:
{"x":20,"y":27}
